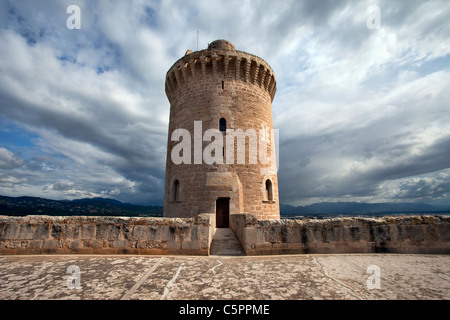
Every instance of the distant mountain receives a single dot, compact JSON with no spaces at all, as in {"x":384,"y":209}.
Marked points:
{"x":354,"y":208}
{"x":101,"y":202}
{"x":21,"y":206}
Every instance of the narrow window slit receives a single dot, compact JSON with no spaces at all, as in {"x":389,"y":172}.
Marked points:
{"x":223,"y":125}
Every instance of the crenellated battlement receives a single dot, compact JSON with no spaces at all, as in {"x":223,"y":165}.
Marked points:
{"x":220,"y":65}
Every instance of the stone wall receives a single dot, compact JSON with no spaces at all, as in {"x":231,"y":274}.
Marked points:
{"x":402,"y":234}
{"x":106,"y":235}
{"x":193,"y":236}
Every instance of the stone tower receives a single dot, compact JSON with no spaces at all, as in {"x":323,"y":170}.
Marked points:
{"x":221,"y":108}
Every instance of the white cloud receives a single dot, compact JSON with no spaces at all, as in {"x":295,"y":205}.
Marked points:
{"x":357,"y":108}
{"x":9,"y":160}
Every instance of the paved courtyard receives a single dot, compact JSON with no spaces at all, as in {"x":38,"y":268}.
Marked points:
{"x":343,"y":276}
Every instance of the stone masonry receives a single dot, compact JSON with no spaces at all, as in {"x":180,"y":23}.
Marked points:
{"x":209,"y":85}
{"x":106,"y":235}
{"x":390,"y":234}
{"x":193,"y":236}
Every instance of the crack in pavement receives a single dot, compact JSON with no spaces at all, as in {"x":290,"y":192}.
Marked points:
{"x":171,"y":282}
{"x":128,"y":294}
{"x":212,"y":269}
{"x":336,"y":280}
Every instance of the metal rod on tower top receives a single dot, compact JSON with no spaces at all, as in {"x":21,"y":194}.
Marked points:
{"x":197,"y":39}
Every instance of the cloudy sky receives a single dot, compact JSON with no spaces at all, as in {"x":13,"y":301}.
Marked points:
{"x":363,"y":113}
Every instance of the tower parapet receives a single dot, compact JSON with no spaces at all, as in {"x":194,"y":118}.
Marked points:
{"x":220,"y":61}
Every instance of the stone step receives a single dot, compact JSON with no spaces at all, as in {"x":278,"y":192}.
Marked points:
{"x":225,"y":243}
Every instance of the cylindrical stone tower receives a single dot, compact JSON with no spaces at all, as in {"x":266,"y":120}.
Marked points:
{"x":221,"y":109}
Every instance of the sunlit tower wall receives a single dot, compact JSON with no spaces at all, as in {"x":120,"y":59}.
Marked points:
{"x":224,"y":89}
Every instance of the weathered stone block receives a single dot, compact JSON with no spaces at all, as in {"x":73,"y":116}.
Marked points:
{"x":42,"y":231}
{"x":168,"y":233}
{"x":56,"y":231}
{"x":202,"y":232}
{"x":76,"y":244}
{"x":355,"y":233}
{"x":96,"y":244}
{"x":415,"y":232}
{"x":35,"y":244}
{"x":393,"y":233}
{"x":173,"y":245}
{"x":331,"y":234}
{"x":194,"y":233}
{"x":293,"y":235}
{"x":314,"y":233}
{"x":272,"y":234}
{"x":204,"y":244}
{"x":444,"y":232}
{"x":183,"y":233}
{"x":144,"y":232}
{"x":71,"y":231}
{"x":190,"y":245}
{"x":9,"y":231}
{"x":51,"y":244}
{"x":120,"y":244}
{"x":36,"y":232}
{"x":381,"y":233}
{"x":304,"y":236}
{"x":252,"y":236}
{"x":128,"y":232}
{"x":87,"y":231}
{"x":431,"y":234}
{"x":107,"y":232}
{"x":26,"y":231}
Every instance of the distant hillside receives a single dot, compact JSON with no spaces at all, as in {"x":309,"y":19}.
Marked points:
{"x":21,"y":206}
{"x":354,"y":208}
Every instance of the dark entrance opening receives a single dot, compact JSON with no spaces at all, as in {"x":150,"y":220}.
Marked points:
{"x":223,"y":213}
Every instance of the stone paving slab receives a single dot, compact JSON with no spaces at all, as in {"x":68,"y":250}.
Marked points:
{"x":311,"y":277}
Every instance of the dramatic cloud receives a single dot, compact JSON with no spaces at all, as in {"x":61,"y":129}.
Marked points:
{"x":8,"y":160}
{"x":363,"y":113}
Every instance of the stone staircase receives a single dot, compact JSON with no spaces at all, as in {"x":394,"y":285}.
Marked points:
{"x":225,"y":243}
